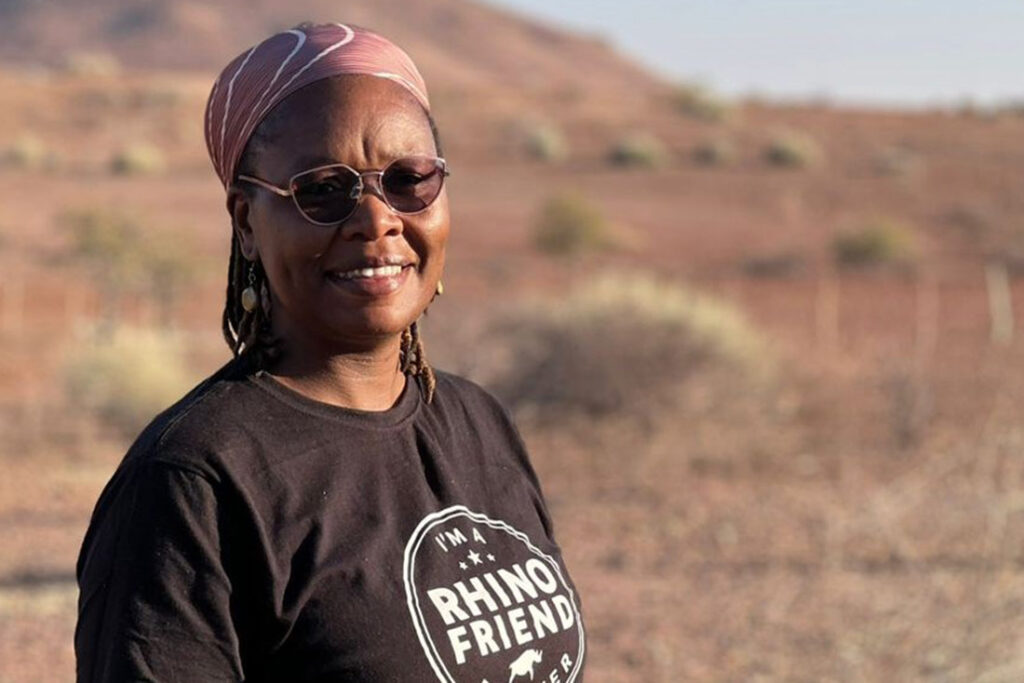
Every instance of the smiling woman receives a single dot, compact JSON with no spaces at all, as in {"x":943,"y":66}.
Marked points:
{"x":325,"y":506}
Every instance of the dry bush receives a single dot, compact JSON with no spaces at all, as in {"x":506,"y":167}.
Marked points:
{"x":715,"y":152}
{"x":777,"y":264}
{"x":898,"y":162}
{"x":697,"y":102}
{"x":29,"y":153}
{"x":92,"y":64}
{"x":638,"y":149}
{"x":569,"y":225}
{"x":123,"y":256}
{"x":621,"y":345}
{"x":138,"y":158}
{"x":879,"y":241}
{"x":545,"y":142}
{"x":125,"y":379}
{"x":790,"y":149}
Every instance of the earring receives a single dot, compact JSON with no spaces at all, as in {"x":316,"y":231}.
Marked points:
{"x":440,"y":288}
{"x":249,"y":293}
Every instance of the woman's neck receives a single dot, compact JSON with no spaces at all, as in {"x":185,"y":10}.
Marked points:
{"x":368,"y":379}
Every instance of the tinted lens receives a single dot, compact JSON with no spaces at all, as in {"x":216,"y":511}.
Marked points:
{"x":411,"y":184}
{"x":326,"y":195}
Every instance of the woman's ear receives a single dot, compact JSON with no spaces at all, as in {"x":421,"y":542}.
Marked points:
{"x":238,"y":205}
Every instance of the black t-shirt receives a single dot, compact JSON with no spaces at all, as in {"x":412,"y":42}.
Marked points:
{"x":252,"y":533}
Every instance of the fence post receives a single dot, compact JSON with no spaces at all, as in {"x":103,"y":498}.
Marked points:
{"x":1000,"y":304}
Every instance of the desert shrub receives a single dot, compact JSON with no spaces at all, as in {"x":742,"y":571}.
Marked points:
{"x":897,"y":161}
{"x":715,"y":152}
{"x":138,"y":159}
{"x":638,"y":149}
{"x":92,"y":64}
{"x":620,"y":344}
{"x":109,"y":243}
{"x":879,"y":241}
{"x":780,"y":264}
{"x":28,"y":152}
{"x":792,"y":150}
{"x":546,"y":142}
{"x":568,"y":224}
{"x":699,"y":103}
{"x":123,"y":256}
{"x":125,"y":379}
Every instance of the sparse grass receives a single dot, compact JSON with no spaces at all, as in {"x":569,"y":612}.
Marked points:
{"x":125,"y":379}
{"x":790,"y":149}
{"x":623,"y":344}
{"x":880,"y":241}
{"x":697,"y":102}
{"x":570,"y":225}
{"x":639,"y":149}
{"x":715,"y":152}
{"x":138,"y":158}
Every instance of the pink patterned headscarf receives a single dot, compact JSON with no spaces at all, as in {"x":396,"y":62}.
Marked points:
{"x":258,"y":79}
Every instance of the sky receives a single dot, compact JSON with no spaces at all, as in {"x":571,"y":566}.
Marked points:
{"x":906,"y":52}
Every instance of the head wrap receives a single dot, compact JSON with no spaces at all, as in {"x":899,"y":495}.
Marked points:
{"x":260,"y":78}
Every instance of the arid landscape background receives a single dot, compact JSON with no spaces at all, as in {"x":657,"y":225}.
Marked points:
{"x":764,"y":355}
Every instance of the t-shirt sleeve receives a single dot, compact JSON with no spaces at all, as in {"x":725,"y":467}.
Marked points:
{"x":154,"y":600}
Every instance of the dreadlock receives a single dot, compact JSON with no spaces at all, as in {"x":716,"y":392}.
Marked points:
{"x":249,"y":333}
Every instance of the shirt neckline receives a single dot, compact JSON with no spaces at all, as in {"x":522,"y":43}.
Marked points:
{"x":403,"y":410}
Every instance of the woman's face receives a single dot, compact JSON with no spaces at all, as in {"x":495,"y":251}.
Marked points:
{"x":364,"y":122}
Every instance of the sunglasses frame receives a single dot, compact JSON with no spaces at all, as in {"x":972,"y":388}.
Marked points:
{"x":376,"y":188}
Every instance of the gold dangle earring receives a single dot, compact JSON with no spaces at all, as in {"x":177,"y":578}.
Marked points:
{"x":439,"y":291}
{"x":249,"y":298}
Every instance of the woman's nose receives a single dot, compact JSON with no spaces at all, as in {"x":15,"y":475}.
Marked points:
{"x":373,"y":218}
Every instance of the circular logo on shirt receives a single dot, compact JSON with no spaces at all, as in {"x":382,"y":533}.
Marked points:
{"x":487,"y":604}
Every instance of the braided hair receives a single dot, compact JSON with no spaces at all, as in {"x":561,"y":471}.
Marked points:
{"x":249,"y":332}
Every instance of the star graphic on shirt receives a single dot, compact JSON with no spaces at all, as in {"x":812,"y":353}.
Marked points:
{"x":490,"y":557}
{"x":474,"y":557}
{"x":462,"y":566}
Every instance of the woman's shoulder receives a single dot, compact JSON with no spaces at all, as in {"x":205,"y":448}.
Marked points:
{"x":215,"y":414}
{"x":459,"y":390}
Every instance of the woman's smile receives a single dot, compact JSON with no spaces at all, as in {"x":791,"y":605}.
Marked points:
{"x":372,"y":281}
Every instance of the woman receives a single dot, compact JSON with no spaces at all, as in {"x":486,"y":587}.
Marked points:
{"x":326,"y":507}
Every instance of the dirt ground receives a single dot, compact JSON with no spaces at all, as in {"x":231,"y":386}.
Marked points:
{"x":860,"y":520}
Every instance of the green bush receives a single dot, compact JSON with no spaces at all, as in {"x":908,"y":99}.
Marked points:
{"x":569,"y":225}
{"x":638,"y":149}
{"x":138,"y":159}
{"x":623,"y":343}
{"x":699,"y":103}
{"x":715,"y":152}
{"x":126,"y":379}
{"x":879,"y":241}
{"x":793,"y":150}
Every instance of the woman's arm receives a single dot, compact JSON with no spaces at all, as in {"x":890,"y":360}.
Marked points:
{"x":154,"y":600}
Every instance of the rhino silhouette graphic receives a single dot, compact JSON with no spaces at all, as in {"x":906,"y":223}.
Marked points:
{"x":524,"y":664}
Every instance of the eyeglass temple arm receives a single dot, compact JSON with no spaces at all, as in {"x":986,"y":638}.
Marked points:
{"x":264,"y":184}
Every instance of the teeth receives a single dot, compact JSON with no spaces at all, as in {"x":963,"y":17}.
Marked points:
{"x":380,"y":271}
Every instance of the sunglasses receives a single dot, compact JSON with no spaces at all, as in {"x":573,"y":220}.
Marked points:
{"x":328,"y":195}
